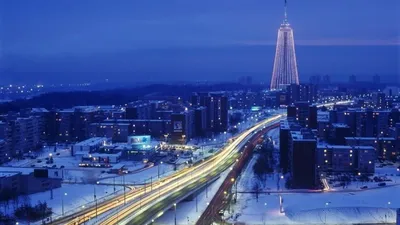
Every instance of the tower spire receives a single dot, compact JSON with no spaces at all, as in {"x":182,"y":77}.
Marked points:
{"x":285,"y":20}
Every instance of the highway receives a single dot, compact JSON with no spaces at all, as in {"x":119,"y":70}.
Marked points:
{"x":165,"y":193}
{"x":222,"y":197}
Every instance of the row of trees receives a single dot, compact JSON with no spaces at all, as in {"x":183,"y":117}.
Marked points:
{"x":37,"y":212}
{"x":264,"y":165}
{"x":22,"y":207}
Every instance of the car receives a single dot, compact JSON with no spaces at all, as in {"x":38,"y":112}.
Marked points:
{"x":57,"y":153}
{"x":221,"y":212}
{"x":62,"y":167}
{"x":54,"y":166}
{"x":364,"y":187}
{"x":382,"y":184}
{"x":33,"y":165}
{"x":39,"y":161}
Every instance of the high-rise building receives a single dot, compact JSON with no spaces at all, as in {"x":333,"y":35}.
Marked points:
{"x":217,"y":109}
{"x":182,"y":126}
{"x":285,"y":64}
{"x":302,"y":158}
{"x":138,"y":110}
{"x":301,"y":92}
{"x":21,"y":134}
{"x":304,"y":113}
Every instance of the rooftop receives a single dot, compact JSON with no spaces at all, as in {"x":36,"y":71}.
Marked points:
{"x":370,"y":138}
{"x":7,"y":174}
{"x":339,"y":125}
{"x":23,"y":170}
{"x":92,"y":141}
{"x":324,"y":146}
{"x":39,"y":110}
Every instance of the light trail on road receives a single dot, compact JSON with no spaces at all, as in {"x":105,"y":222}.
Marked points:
{"x":188,"y":176}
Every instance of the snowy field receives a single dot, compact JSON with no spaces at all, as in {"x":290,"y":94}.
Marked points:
{"x":370,"y":206}
{"x":73,"y":196}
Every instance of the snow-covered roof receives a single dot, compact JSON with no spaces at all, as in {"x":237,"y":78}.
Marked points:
{"x":339,"y":125}
{"x":371,"y":138}
{"x":7,"y":174}
{"x":23,"y":170}
{"x":39,"y":110}
{"x":321,"y":146}
{"x":92,"y":141}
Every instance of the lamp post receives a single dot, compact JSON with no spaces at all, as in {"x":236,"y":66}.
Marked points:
{"x":62,"y":202}
{"x":117,"y":211}
{"x":94,"y":195}
{"x":159,"y":169}
{"x":388,"y":206}
{"x":175,"y":213}
{"x":326,"y":205}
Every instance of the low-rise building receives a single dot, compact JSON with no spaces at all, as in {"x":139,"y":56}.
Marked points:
{"x":89,"y":145}
{"x":24,"y":181}
{"x":385,"y":146}
{"x":343,"y":158}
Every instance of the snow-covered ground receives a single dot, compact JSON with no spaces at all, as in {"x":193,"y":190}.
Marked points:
{"x":73,"y":196}
{"x":144,"y":176}
{"x":248,"y":179}
{"x":274,"y":133}
{"x":371,"y":206}
{"x":389,"y":173}
{"x":186,"y":211}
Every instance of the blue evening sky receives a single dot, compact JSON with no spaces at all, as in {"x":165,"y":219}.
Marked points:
{"x":39,"y":34}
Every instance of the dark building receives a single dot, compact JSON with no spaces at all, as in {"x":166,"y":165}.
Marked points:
{"x":305,"y":114}
{"x":284,"y":132}
{"x":200,"y":121}
{"x":379,"y":100}
{"x":281,"y":98}
{"x":302,"y":157}
{"x":302,"y":93}
{"x":138,"y":110}
{"x":182,"y":126}
{"x":291,"y":111}
{"x":119,"y":129}
{"x":74,"y":124}
{"x":216,"y":104}
{"x":338,"y":132}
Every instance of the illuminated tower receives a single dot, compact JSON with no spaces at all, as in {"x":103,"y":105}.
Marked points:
{"x":285,"y":65}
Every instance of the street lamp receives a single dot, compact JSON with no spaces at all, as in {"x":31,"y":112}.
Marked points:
{"x":94,"y":195}
{"x":326,"y":205}
{"x":175,"y":212}
{"x":159,"y":169}
{"x":62,"y":202}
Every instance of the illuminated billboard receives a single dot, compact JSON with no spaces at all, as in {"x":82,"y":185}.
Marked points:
{"x":139,"y":140}
{"x":178,"y":126}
